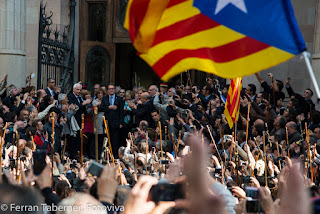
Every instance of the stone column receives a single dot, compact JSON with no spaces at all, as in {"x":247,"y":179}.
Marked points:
{"x":316,"y":42}
{"x":12,"y":41}
{"x":316,"y":47}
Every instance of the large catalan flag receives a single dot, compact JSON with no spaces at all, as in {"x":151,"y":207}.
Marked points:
{"x":229,"y":38}
{"x":232,"y":107}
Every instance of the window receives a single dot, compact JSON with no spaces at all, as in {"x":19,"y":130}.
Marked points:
{"x":97,"y":22}
{"x":97,"y":66}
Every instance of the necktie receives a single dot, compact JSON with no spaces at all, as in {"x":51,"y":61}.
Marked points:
{"x":111,"y":100}
{"x":79,"y":99}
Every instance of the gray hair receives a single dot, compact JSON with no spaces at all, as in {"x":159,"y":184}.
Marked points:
{"x":81,"y":200}
{"x":77,"y":85}
{"x":11,"y":90}
{"x":156,"y":88}
{"x":173,"y":90}
{"x":62,"y":97}
{"x":118,"y":88}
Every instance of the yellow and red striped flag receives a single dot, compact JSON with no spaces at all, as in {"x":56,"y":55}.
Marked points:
{"x":227,"y":38}
{"x":232,"y":106}
{"x":142,"y":19}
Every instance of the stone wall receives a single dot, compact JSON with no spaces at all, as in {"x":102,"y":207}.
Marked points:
{"x":32,"y":23}
{"x":295,"y":68}
{"x":12,"y":40}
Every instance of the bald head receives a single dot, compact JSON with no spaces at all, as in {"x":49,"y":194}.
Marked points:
{"x":85,"y":202}
{"x":145,"y":96}
{"x":153,"y":89}
{"x":258,"y":121}
{"x":292,"y":127}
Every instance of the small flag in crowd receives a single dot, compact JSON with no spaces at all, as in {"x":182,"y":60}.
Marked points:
{"x":232,"y":106}
{"x":229,"y":38}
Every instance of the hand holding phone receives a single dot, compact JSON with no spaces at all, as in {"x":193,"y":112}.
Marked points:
{"x":166,"y":192}
{"x":164,"y":162}
{"x":95,"y":168}
{"x":39,"y":162}
{"x":253,"y":204}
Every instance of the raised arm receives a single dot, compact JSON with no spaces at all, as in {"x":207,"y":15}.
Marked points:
{"x":259,"y":78}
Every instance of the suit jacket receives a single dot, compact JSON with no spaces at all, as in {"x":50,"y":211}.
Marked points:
{"x":202,"y":99}
{"x":294,"y":137}
{"x":55,"y":96}
{"x":206,"y":100}
{"x":143,"y":112}
{"x":73,"y":100}
{"x":114,"y":117}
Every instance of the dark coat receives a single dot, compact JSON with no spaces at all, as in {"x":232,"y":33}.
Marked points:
{"x":294,"y":137}
{"x":55,"y":96}
{"x":114,"y":117}
{"x":143,"y":112}
{"x":73,"y":100}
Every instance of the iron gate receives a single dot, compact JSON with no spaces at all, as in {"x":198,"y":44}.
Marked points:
{"x":56,"y":50}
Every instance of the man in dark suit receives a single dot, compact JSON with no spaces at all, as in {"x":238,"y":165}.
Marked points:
{"x":143,"y":111}
{"x":112,"y":106}
{"x":52,"y":89}
{"x":207,"y":92}
{"x":74,"y":97}
{"x":251,"y":91}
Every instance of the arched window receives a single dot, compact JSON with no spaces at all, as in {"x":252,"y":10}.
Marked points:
{"x":97,"y":66}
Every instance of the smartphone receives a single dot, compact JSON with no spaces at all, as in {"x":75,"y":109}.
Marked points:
{"x":73,"y":164}
{"x":252,"y":192}
{"x":246,"y":179}
{"x":253,"y":200}
{"x":69,"y":174}
{"x":39,"y":162}
{"x":95,"y":168}
{"x":164,"y":162}
{"x":254,"y":206}
{"x":166,"y":192}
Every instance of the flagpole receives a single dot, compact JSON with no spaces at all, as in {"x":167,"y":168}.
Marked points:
{"x":305,"y":55}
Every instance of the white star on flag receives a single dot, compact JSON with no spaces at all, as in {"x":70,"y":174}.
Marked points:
{"x":237,"y":3}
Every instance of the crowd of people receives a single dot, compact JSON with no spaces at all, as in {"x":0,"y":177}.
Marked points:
{"x":162,"y":149}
